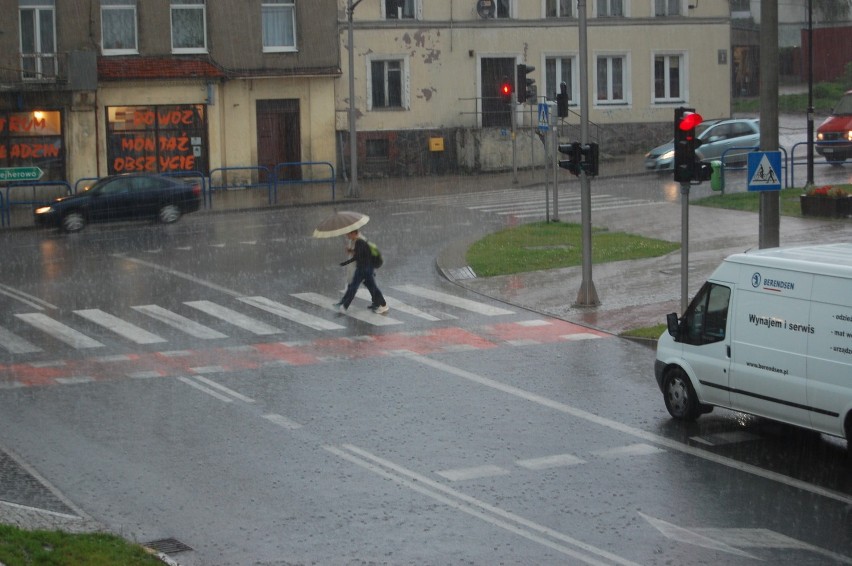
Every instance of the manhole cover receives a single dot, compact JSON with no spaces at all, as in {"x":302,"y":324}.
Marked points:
{"x":167,"y":546}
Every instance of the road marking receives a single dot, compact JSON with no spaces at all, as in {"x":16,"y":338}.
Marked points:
{"x":180,"y":322}
{"x":495,"y":516}
{"x":15,"y":344}
{"x":224,"y":389}
{"x":207,"y":390}
{"x":548,"y":462}
{"x":59,"y":331}
{"x":120,"y":327}
{"x":397,"y":305}
{"x":233,"y":317}
{"x":180,"y":274}
{"x":27,"y":299}
{"x":291,"y":314}
{"x":631,"y":450}
{"x":365,"y":315}
{"x":477,"y":472}
{"x":452,"y":300}
{"x":627,"y":429}
{"x":282,"y":421}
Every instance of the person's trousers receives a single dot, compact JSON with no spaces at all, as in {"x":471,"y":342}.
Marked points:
{"x":364,"y":275}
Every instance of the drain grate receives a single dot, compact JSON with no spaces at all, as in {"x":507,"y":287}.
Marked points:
{"x":167,"y":546}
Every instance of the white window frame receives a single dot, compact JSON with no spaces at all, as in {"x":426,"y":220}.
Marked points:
{"x":405,"y":98}
{"x":625,"y":9}
{"x":680,"y":6}
{"x":668,"y":98}
{"x":610,"y":102}
{"x":44,"y":64}
{"x":573,"y":89}
{"x":418,"y":10}
{"x":115,"y":6}
{"x":513,"y":8}
{"x":189,"y":5}
{"x":268,"y":6}
{"x":559,"y":14}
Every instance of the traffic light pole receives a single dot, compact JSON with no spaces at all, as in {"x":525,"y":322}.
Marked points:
{"x":514,"y":137}
{"x":587,"y":296}
{"x":684,"y":246}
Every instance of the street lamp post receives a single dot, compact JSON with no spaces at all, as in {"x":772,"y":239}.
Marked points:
{"x":353,"y":140}
{"x":810,"y":181}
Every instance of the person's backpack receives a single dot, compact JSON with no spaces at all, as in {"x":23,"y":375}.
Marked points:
{"x":377,"y":258}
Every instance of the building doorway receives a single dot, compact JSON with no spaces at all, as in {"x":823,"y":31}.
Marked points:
{"x":279,"y":136}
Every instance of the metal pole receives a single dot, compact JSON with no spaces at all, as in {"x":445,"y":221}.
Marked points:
{"x":554,"y":123}
{"x":684,"y":246}
{"x":587,"y":296}
{"x":514,"y":106}
{"x":353,"y":134}
{"x":769,"y":215}
{"x":810,"y":181}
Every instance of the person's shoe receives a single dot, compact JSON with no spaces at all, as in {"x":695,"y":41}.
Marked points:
{"x":380,"y":309}
{"x":340,"y":307}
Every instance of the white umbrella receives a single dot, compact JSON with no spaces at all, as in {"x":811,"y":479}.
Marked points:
{"x":340,"y":223}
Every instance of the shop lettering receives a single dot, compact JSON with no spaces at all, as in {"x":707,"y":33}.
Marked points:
{"x":163,"y":118}
{"x":146,"y":164}
{"x":137,"y":144}
{"x":17,"y":123}
{"x":28,"y":151}
{"x":174,"y":143}
{"x":177,"y":163}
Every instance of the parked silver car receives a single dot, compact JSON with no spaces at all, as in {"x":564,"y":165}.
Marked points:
{"x":737,"y":137}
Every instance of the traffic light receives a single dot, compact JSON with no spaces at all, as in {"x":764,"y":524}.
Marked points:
{"x":685,"y":143}
{"x":575,"y":154}
{"x":526,"y":85}
{"x":562,"y":101}
{"x":506,"y":90}
{"x":581,"y":158}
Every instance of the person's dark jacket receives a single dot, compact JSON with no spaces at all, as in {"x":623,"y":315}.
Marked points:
{"x":361,"y":255}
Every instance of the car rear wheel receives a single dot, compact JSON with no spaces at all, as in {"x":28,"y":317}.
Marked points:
{"x":681,"y":400}
{"x":169,"y":213}
{"x":73,"y":222}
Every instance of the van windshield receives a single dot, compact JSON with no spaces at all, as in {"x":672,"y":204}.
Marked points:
{"x":844,"y":106}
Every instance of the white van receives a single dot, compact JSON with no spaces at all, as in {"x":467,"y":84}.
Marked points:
{"x":770,"y":333}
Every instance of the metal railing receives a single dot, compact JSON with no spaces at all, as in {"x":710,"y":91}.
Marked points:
{"x":34,"y":200}
{"x":281,"y":180}
{"x":826,"y":163}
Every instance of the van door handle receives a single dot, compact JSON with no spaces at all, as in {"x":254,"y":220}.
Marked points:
{"x":728,"y":349}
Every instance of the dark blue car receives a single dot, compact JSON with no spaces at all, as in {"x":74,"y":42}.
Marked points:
{"x":123,"y":197}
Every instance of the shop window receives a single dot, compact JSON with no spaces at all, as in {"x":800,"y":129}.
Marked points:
{"x":279,"y":25}
{"x":189,"y":27}
{"x":33,"y":139}
{"x":156,"y":139}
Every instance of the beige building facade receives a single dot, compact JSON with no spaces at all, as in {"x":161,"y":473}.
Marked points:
{"x":433,"y":69}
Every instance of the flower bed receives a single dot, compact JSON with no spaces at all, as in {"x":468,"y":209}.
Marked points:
{"x":826,"y":202}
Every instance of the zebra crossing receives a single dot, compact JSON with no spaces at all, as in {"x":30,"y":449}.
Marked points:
{"x":151,"y":324}
{"x":526,"y":203}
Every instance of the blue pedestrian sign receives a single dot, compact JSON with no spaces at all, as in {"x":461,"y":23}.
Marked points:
{"x":543,"y":117}
{"x":764,"y":171}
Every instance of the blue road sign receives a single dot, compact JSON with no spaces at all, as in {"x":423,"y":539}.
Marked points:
{"x":764,"y":171}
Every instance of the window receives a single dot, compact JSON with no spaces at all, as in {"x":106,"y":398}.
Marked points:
{"x":609,"y":8}
{"x":386,"y":84}
{"x":118,"y":27}
{"x":504,"y":9}
{"x":559,"y":70}
{"x":741,"y":6}
{"x":189,"y":26}
{"x":279,"y":25}
{"x":401,"y":9}
{"x":667,"y":7}
{"x":38,"y":40}
{"x":706,"y":319}
{"x":611,"y":79}
{"x":667,"y":78}
{"x":558,"y":8}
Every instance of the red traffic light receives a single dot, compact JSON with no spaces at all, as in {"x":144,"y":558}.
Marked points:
{"x":506,"y":89}
{"x":689,"y":121}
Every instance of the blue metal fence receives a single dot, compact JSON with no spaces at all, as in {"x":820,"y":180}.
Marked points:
{"x":34,"y":200}
{"x":281,"y":180}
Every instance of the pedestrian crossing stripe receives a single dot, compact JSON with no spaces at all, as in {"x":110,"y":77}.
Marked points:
{"x":764,"y":170}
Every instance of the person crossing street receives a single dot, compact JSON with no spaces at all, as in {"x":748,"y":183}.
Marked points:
{"x":365,"y":272}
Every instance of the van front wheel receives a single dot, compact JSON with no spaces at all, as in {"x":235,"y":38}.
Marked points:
{"x":681,"y":401}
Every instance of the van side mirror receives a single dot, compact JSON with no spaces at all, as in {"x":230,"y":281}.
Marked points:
{"x":673,"y":324}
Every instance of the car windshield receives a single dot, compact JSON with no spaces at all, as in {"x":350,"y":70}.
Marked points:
{"x":844,"y":106}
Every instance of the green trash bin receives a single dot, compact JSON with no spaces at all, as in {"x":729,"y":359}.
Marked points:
{"x":717,"y":181}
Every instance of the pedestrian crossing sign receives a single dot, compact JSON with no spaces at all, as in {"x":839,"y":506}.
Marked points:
{"x":764,"y":171}
{"x":543,"y":117}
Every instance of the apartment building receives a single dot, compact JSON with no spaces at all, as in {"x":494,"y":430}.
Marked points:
{"x":427,"y":75}
{"x":95,"y":87}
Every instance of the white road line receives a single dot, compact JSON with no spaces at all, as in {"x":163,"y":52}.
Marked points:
{"x":120,"y":327}
{"x":14,"y":344}
{"x":364,"y":315}
{"x":207,"y":390}
{"x":397,"y":305}
{"x":548,"y":462}
{"x":474,"y":473}
{"x":180,"y":274}
{"x":282,"y":421}
{"x":180,"y":322}
{"x":233,"y":317}
{"x":466,"y":504}
{"x":224,"y":389}
{"x":290,"y":313}
{"x":29,"y":300}
{"x":630,"y":450}
{"x":59,"y":331}
{"x":452,"y":300}
{"x":627,"y":429}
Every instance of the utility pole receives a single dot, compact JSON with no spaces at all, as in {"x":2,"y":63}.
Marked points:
{"x":770,"y":219}
{"x":353,"y":191}
{"x":810,"y":181}
{"x":587,"y":296}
